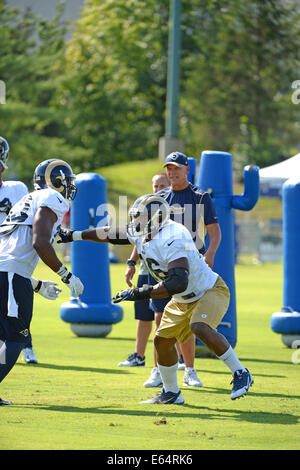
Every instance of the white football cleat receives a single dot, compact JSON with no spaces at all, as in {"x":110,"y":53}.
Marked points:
{"x":154,"y":379}
{"x":29,"y":356}
{"x":190,"y":378}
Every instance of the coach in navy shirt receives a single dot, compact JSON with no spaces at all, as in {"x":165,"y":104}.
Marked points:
{"x":199,"y":215}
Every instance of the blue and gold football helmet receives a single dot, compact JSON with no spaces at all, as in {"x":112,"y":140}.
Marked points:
{"x":56,"y":174}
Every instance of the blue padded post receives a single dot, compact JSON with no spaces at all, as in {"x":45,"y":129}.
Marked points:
{"x":193,"y":170}
{"x":287,"y":322}
{"x":215,"y":176}
{"x":93,"y":314}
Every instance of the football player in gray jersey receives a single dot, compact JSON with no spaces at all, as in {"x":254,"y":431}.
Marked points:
{"x":200,"y":297}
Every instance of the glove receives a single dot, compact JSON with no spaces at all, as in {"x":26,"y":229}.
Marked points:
{"x":141,"y":293}
{"x":47,"y":289}
{"x":72,"y":281}
{"x":5,"y":206}
{"x":65,"y":235}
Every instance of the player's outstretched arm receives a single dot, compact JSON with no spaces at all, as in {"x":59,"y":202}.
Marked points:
{"x":98,"y":234}
{"x":105,"y":234}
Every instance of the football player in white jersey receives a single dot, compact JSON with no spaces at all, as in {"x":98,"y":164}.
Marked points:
{"x":200,"y":298}
{"x":26,"y":235}
{"x":10,"y":193}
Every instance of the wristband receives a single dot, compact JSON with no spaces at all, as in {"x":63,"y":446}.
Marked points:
{"x":36,"y":284}
{"x":142,"y":293}
{"x":62,"y":270}
{"x":77,"y":235}
{"x":131,"y":262}
{"x":64,"y":274}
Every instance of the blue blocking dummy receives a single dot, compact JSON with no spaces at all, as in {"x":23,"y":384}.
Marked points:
{"x":193,"y":170}
{"x":92,"y":314}
{"x":287,"y":322}
{"x":215,"y":176}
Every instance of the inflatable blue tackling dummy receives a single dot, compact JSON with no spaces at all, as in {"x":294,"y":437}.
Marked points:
{"x":215,"y":176}
{"x":287,"y":321}
{"x":193,"y":170}
{"x":93,"y":314}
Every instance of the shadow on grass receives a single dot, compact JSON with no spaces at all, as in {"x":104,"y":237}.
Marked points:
{"x":188,"y":411}
{"x":107,"y":338}
{"x":225,"y":372}
{"x":252,"y":393}
{"x":75,"y":368}
{"x":266,"y":361}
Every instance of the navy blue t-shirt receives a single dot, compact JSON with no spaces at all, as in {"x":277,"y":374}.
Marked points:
{"x":199,"y":210}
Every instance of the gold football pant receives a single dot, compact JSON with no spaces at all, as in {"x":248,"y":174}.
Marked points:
{"x":210,"y":309}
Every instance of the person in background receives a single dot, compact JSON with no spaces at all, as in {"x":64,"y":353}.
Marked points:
{"x":143,"y":311}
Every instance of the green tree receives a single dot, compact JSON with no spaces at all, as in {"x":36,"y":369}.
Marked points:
{"x":115,"y":80}
{"x":238,"y":95}
{"x":31,"y":64}
{"x":99,"y":98}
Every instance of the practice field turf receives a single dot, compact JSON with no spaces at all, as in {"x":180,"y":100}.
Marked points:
{"x":77,"y":398}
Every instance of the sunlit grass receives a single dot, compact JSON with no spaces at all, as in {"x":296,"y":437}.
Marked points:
{"x":78,"y":398}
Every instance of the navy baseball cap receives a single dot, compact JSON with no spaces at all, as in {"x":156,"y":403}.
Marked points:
{"x":176,"y":158}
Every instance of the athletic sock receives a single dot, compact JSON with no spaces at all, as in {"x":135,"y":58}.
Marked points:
{"x":9,"y":354}
{"x":169,"y":377}
{"x":231,"y":360}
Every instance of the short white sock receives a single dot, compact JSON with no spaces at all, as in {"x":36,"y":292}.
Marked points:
{"x":169,"y":377}
{"x":231,"y":360}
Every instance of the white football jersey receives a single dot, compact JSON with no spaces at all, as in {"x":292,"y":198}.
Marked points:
{"x":17,"y":254}
{"x":172,"y":242}
{"x":11,"y":192}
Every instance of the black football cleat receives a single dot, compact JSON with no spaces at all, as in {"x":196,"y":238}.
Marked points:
{"x":2,"y":402}
{"x":166,"y":398}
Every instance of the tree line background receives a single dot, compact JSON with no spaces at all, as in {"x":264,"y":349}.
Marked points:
{"x":98,"y":98}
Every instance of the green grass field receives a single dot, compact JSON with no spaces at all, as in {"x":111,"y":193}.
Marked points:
{"x":77,"y":397}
